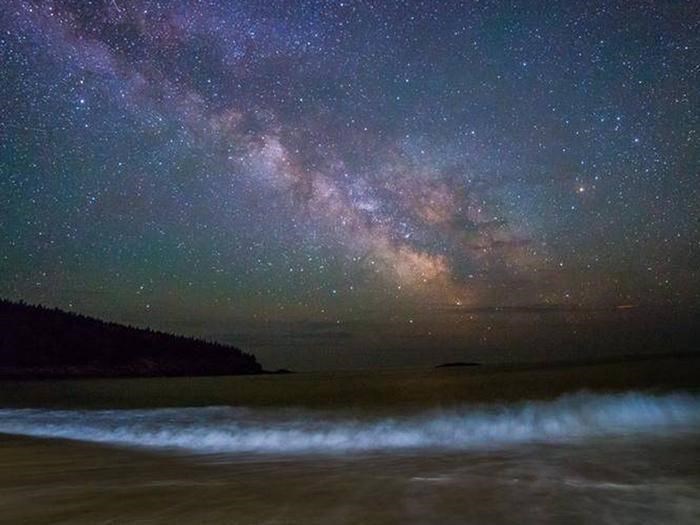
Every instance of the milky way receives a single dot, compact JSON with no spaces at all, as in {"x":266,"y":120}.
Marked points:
{"x":289,"y":175}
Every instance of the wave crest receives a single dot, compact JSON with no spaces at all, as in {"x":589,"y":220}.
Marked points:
{"x":241,"y":430}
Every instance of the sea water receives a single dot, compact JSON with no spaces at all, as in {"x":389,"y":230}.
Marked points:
{"x":582,"y":458}
{"x":238,"y":430}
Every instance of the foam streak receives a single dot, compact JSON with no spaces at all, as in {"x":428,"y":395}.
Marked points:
{"x":240,"y":430}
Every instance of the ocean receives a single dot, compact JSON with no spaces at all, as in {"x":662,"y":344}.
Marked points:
{"x":617,"y":457}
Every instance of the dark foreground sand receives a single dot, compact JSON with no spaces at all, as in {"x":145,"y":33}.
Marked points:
{"x":59,"y":482}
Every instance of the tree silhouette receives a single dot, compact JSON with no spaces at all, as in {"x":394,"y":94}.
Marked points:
{"x":40,"y":342}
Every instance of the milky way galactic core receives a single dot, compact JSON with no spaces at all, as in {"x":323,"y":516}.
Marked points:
{"x":335,"y":172}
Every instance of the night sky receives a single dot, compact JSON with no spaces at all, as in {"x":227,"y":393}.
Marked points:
{"x":338,"y":184}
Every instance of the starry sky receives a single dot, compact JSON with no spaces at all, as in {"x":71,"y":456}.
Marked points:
{"x":346,"y":183}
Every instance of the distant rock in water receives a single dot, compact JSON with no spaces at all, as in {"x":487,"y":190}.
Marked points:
{"x":38,"y":342}
{"x":457,"y":364}
{"x":282,"y":371}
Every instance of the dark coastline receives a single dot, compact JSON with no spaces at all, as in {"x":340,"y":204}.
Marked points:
{"x":43,"y":343}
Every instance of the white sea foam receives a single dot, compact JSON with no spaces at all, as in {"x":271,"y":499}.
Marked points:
{"x":239,"y":430}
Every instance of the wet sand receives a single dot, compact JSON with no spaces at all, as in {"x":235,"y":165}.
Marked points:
{"x":58,"y":482}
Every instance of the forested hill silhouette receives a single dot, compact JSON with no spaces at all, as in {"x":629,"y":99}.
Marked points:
{"x":39,"y":342}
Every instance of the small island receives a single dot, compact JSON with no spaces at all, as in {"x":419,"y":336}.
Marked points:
{"x":457,"y":364}
{"x":42,"y":343}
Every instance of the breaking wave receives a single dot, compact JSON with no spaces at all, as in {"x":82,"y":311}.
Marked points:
{"x":242,"y":430}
